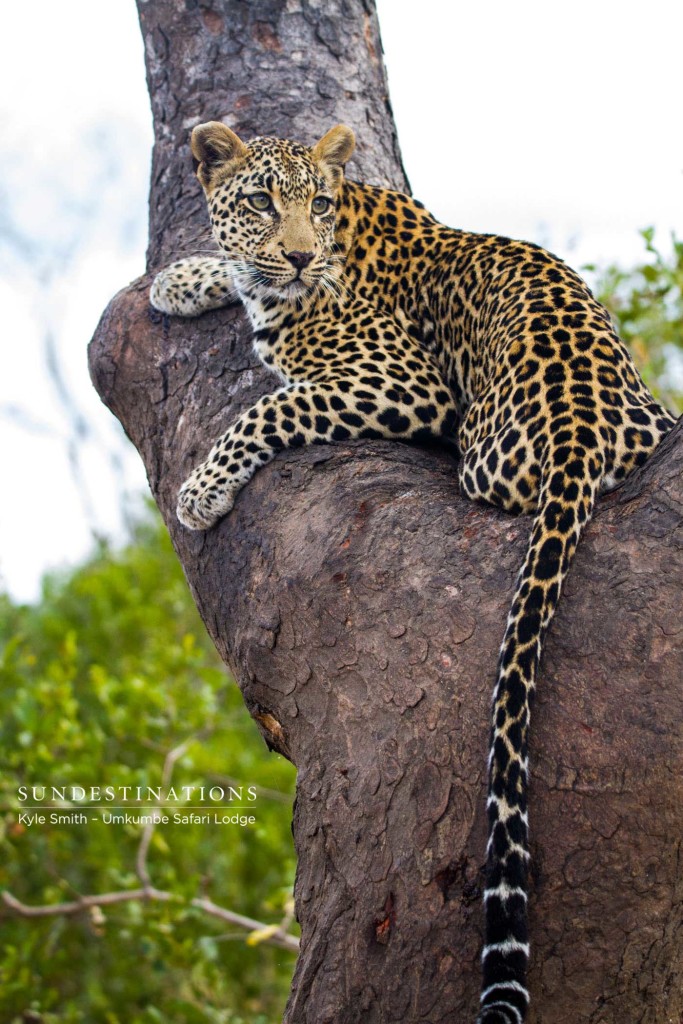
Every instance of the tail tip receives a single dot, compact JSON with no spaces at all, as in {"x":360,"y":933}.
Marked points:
{"x":499,"y":1015}
{"x":501,"y":1011}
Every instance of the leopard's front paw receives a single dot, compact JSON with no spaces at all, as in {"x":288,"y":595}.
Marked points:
{"x":192,"y":286}
{"x":166,"y":293}
{"x":200,"y":508}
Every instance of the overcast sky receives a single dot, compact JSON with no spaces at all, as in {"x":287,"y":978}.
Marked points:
{"x":559,"y":123}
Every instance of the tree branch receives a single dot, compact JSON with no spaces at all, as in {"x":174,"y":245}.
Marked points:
{"x":149,"y":893}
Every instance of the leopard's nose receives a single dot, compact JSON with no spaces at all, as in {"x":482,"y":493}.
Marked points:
{"x":299,"y":259}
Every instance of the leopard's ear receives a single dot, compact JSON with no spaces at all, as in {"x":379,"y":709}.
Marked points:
{"x":332,"y":152}
{"x":217,"y":150}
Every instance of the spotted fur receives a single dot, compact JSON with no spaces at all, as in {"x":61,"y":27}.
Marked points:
{"x":384,"y":323}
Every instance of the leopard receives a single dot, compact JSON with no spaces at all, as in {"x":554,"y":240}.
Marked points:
{"x":381,"y":322}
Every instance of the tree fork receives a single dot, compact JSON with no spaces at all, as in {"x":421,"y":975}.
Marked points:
{"x":360,"y":603}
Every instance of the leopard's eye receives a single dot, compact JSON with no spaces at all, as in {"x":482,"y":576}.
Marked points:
{"x":260,"y":201}
{"x":320,"y":205}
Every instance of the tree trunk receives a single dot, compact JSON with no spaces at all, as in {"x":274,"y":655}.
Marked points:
{"x":360,"y":602}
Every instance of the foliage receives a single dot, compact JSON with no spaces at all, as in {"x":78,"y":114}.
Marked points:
{"x":100,"y":680}
{"x":646,"y":303}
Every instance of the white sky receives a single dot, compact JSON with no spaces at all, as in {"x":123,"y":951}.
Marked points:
{"x":560,"y":123}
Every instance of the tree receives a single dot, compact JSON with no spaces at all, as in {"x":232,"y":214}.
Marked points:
{"x":360,"y":603}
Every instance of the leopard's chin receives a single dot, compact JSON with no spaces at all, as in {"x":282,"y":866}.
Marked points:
{"x":296,"y":289}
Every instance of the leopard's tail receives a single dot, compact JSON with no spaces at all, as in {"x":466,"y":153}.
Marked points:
{"x":570,"y":483}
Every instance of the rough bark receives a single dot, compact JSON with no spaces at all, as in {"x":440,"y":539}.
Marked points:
{"x":360,"y":602}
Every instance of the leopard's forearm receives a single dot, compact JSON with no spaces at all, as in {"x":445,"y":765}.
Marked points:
{"x":300,"y":414}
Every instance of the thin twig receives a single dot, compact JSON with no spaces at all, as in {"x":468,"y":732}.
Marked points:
{"x":143,"y":849}
{"x":279,"y":938}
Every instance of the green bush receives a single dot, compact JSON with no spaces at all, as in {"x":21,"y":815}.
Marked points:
{"x":100,"y":680}
{"x":646,"y":303}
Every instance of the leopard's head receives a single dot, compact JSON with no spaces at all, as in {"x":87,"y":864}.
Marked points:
{"x":272,"y":205}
